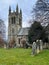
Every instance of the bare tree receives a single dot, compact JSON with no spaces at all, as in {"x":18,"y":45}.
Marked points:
{"x":41,"y":11}
{"x":2,"y":30}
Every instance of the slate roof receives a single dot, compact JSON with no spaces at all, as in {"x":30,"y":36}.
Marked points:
{"x":23,"y":31}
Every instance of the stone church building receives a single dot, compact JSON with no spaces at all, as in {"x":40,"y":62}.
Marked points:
{"x":15,"y":29}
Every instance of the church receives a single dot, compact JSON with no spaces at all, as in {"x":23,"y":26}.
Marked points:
{"x":15,"y":30}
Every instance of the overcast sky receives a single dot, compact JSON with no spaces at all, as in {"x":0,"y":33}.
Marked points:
{"x":25,"y":5}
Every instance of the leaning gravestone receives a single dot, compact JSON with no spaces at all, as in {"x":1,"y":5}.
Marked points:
{"x":38,"y":46}
{"x":41,"y":45}
{"x":34,"y":48}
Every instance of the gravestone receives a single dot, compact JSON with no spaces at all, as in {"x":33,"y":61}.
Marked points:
{"x":41,"y":45}
{"x":34,"y":48}
{"x":38,"y":46}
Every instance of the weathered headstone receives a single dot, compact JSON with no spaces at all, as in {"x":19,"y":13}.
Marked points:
{"x":38,"y":46}
{"x":41,"y":45}
{"x":34,"y":48}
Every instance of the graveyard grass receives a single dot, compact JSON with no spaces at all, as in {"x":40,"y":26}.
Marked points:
{"x":21,"y":56}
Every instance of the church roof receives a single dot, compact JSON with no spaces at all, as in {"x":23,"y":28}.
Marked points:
{"x":23,"y":31}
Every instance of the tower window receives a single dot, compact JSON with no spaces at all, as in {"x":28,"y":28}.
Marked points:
{"x":19,"y":21}
{"x":13,"y":20}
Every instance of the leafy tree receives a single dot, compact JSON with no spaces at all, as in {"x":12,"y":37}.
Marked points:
{"x":36,"y":32}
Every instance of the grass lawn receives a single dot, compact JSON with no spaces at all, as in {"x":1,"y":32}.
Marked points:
{"x":20,"y":56}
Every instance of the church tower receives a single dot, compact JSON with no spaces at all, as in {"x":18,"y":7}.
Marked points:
{"x":14,"y":23}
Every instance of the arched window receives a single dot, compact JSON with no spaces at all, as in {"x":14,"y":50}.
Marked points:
{"x":13,"y":20}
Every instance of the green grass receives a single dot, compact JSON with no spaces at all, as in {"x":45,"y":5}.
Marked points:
{"x":20,"y":56}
